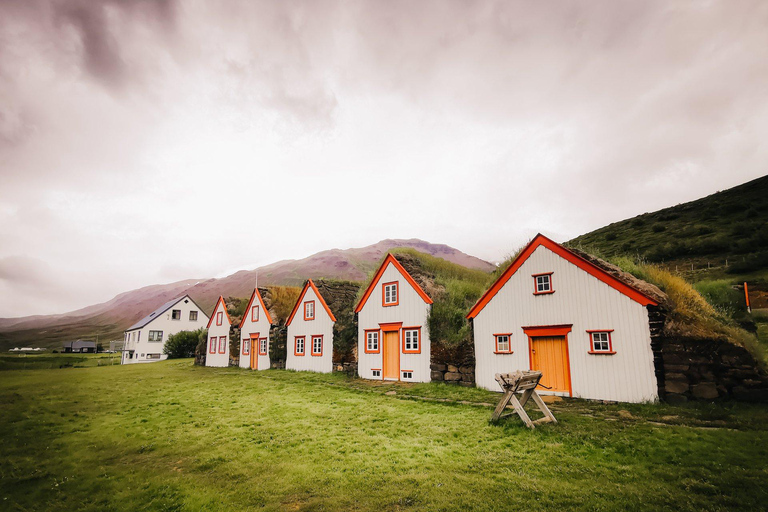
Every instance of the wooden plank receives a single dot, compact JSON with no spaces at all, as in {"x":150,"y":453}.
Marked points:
{"x":543,"y":407}
{"x":521,"y":412}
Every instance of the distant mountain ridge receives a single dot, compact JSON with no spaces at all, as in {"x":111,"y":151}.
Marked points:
{"x":109,"y":319}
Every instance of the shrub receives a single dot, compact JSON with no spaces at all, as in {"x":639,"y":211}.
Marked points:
{"x":610,"y":237}
{"x":638,"y":222}
{"x":183,"y":343}
{"x":722,"y":296}
{"x":658,"y":228}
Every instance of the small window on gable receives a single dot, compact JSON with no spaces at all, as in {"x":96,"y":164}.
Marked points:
{"x":390,"y":294}
{"x":503,"y":345}
{"x":255,"y":314}
{"x":601,"y":342}
{"x":309,"y":310}
{"x":222,"y":345}
{"x":376,"y":373}
{"x":263,"y":347}
{"x":298,"y":347}
{"x":246,"y":346}
{"x":542,"y":283}
{"x":176,"y":314}
{"x":219,"y":318}
{"x":411,"y":341}
{"x":193,"y":316}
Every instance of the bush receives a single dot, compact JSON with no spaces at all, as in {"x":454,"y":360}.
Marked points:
{"x":658,"y":228}
{"x":610,"y":237}
{"x":183,"y":343}
{"x":722,"y":296}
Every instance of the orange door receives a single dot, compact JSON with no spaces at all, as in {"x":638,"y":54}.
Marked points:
{"x":255,"y":353}
{"x":549,"y":355}
{"x":391,"y":355}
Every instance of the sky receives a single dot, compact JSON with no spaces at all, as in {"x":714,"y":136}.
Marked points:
{"x":146,"y":142}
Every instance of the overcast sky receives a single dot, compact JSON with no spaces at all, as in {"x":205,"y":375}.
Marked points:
{"x":145,"y":142}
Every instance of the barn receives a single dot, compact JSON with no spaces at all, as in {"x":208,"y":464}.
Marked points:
{"x":218,"y":336}
{"x":393,"y":339}
{"x":310,"y":332}
{"x":556,"y":310}
{"x":254,"y":334}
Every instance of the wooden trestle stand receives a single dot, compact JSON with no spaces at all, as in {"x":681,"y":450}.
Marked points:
{"x":523,"y":382}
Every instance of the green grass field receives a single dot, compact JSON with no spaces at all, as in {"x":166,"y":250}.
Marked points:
{"x":170,"y":436}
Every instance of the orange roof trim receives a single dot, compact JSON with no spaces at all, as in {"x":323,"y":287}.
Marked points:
{"x":593,"y":270}
{"x":248,"y":308}
{"x":220,"y":301}
{"x":301,"y":298}
{"x":391,"y":259}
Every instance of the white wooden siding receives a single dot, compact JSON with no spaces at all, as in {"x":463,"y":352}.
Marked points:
{"x":218,"y":360}
{"x":322,"y":325}
{"x":587,"y":303}
{"x":411,"y":310}
{"x":250,"y":327}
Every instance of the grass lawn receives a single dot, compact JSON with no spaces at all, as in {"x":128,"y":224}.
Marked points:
{"x":49,"y":361}
{"x":170,"y":436}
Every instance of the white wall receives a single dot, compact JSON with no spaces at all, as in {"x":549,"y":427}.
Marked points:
{"x":163,"y":323}
{"x":217,"y":331}
{"x":412,"y":311}
{"x":587,"y":303}
{"x":321,"y":325}
{"x":250,"y":327}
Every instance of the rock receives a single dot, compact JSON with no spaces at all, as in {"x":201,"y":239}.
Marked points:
{"x":390,"y":393}
{"x":676,"y":377}
{"x":467,"y":377}
{"x":452,"y":376}
{"x":437,"y":367}
{"x":676,"y":387}
{"x":675,"y":399}
{"x":705,"y":390}
{"x":750,"y":383}
{"x":750,"y":395}
{"x":466,"y":369}
{"x":550,"y":399}
{"x":437,"y":375}
{"x":626,"y":415}
{"x":675,"y":367}
{"x":467,"y":384}
{"x":452,"y":369}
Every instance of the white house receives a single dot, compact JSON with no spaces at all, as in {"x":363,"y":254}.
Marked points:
{"x":218,"y":336}
{"x":555,"y":311}
{"x":393,"y":339}
{"x":310,"y":333}
{"x":254,"y":334}
{"x":144,"y":340}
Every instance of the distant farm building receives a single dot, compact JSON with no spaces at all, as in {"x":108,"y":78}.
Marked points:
{"x":218,"y":336}
{"x":144,"y":340}
{"x":310,"y":332}
{"x":254,"y":334}
{"x":80,"y":347}
{"x":559,"y":311}
{"x":393,"y":339}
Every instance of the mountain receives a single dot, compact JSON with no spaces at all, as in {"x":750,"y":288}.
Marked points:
{"x":109,"y":319}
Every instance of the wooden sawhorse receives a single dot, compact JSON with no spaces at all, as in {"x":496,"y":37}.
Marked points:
{"x":524,"y":382}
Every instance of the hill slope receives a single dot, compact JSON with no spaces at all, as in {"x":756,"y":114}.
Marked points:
{"x":109,"y":319}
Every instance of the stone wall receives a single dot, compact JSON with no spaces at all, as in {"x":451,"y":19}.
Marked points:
{"x":463,"y":375}
{"x":350,"y":368}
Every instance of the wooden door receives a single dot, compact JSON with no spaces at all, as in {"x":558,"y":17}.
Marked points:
{"x":391,"y":355}
{"x":549,"y":355}
{"x":255,"y":353}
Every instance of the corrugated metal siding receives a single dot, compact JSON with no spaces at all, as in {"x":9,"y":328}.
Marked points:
{"x":587,"y":303}
{"x":251,"y":327}
{"x":411,"y":311}
{"x":321,"y":325}
{"x":218,"y":360}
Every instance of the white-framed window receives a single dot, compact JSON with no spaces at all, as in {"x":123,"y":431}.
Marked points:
{"x":376,"y":373}
{"x":155,"y":336}
{"x":263,"y":346}
{"x":372,"y":341}
{"x":309,"y":310}
{"x":255,"y":314}
{"x":601,"y":342}
{"x":411,"y":340}
{"x":153,"y":356}
{"x":298,"y":347}
{"x":219,"y":318}
{"x":138,"y":338}
{"x":542,"y":283}
{"x":317,"y":345}
{"x":193,"y":316}
{"x":390,"y":294}
{"x":212,"y":347}
{"x":407,"y":374}
{"x":222,"y":345}
{"x":176,"y":314}
{"x":246,"y":346}
{"x":502,"y":344}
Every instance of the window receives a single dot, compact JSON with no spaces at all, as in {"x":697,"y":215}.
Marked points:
{"x":389,"y":293}
{"x":601,"y":342}
{"x":212,"y":347}
{"x":503,"y":345}
{"x":176,"y":314}
{"x":219,"y":318}
{"x":193,"y":316}
{"x":255,"y":314}
{"x":298,"y":346}
{"x":246,"y":346}
{"x":222,"y":344}
{"x":138,"y":338}
{"x":155,"y":336}
{"x":263,"y":346}
{"x":309,"y":310}
{"x":153,"y":356}
{"x":376,"y":373}
{"x":317,"y":345}
{"x":407,"y":374}
{"x":542,"y":283}
{"x":411,"y":342}
{"x":372,"y":342}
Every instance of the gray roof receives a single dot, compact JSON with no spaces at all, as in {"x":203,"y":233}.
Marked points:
{"x":80,"y":344}
{"x":162,"y":309}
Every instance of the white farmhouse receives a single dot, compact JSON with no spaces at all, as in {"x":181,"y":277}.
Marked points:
{"x":144,"y":340}
{"x":393,"y":339}
{"x":254,"y":334}
{"x":555,"y":311}
{"x":218,"y":336}
{"x":310,"y":333}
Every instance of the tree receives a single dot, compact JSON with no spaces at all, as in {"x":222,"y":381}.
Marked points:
{"x":182,"y":344}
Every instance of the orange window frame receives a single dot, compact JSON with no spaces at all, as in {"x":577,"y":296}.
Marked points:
{"x":246,"y":348}
{"x":312,"y":349}
{"x":378,"y":341}
{"x":263,"y":342}
{"x":219,"y":318}
{"x":536,"y":283}
{"x":254,"y":313}
{"x":384,"y":293}
{"x":314,"y":313}
{"x":296,"y":345}
{"x":592,"y":350}
{"x":509,"y":343}
{"x":418,"y":340}
{"x":214,"y":342}
{"x":222,"y":344}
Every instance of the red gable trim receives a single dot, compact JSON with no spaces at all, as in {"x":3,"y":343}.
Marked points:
{"x":213,"y":315}
{"x":391,"y":259}
{"x":301,"y":298}
{"x":248,"y":308}
{"x":590,"y":268}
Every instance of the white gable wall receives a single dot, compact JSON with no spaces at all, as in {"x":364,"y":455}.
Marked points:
{"x":218,"y":359}
{"x":250,"y":327}
{"x":321,"y":325}
{"x":587,"y":303}
{"x":411,"y":310}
